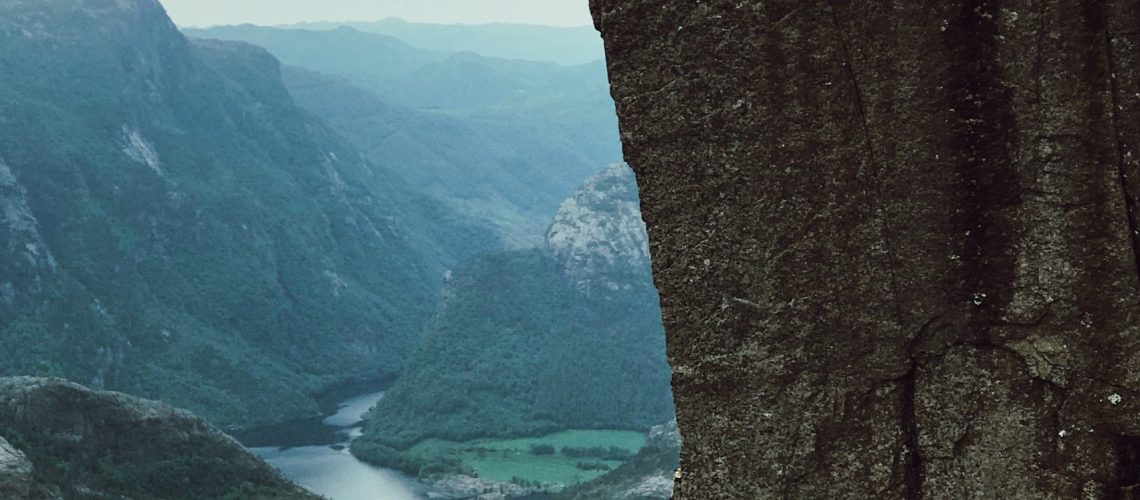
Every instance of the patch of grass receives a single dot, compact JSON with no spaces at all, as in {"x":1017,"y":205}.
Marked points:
{"x":511,"y":459}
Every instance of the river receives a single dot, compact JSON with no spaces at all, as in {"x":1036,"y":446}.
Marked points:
{"x":329,"y":469}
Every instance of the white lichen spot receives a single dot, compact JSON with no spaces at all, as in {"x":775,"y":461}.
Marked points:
{"x":1115,"y":398}
{"x":979,"y":298}
{"x":677,"y":474}
{"x":1063,"y":433}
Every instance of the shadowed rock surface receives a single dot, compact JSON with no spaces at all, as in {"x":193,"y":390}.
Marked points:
{"x":893,"y":241}
{"x":62,"y":440}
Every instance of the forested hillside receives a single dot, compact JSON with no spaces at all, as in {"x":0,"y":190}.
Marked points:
{"x":535,"y":341}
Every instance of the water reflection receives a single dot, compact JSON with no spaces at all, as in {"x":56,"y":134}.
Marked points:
{"x":332,"y":471}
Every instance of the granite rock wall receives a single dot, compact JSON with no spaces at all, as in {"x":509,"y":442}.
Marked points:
{"x":894,"y":240}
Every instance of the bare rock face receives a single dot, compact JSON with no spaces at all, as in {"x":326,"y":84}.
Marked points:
{"x":598,"y":232}
{"x":895,"y":241}
{"x":15,"y":472}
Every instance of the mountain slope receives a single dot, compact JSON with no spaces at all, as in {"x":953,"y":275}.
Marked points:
{"x":519,"y":347}
{"x":61,"y":440}
{"x":175,"y":227}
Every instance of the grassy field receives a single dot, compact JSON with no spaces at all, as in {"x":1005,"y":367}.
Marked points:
{"x":509,"y":459}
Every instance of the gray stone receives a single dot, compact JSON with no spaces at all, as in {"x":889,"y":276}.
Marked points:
{"x":894,"y":240}
{"x":15,"y":472}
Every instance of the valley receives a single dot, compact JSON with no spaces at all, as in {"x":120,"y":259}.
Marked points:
{"x":314,"y":454}
{"x":249,"y":221}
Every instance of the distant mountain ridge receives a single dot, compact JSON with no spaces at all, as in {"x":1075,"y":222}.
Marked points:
{"x":505,"y":141}
{"x":564,"y":45}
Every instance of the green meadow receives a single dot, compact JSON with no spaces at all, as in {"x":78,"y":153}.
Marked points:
{"x":514,"y":459}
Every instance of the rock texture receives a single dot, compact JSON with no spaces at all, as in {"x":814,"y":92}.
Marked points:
{"x":72,"y":442}
{"x":895,"y":241}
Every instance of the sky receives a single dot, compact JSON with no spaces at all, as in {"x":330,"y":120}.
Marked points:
{"x":201,"y":13}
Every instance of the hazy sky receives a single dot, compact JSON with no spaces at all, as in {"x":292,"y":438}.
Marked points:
{"x":269,"y":12}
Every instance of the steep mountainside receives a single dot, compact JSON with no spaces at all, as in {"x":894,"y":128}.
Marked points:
{"x":61,"y":440}
{"x":175,"y":227}
{"x":467,"y":128}
{"x":568,"y":46}
{"x":897,"y":242}
{"x":520,"y":348}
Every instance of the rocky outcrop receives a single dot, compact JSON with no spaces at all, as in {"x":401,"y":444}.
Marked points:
{"x":597,"y":235}
{"x":15,"y":472}
{"x":72,"y":442}
{"x":895,"y":242}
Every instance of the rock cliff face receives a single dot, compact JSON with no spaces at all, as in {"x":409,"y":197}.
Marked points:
{"x":895,"y":241}
{"x":70,"y":442}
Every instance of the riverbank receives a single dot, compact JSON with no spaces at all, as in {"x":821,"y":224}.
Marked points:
{"x":312,"y":431}
{"x":314,"y":453}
